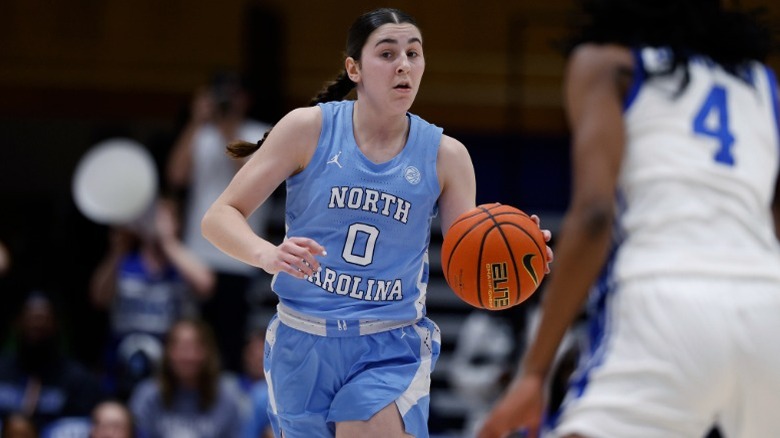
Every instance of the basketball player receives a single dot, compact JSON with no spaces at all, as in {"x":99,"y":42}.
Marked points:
{"x":675,"y":158}
{"x":350,"y":351}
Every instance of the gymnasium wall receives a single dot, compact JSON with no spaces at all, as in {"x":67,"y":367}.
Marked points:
{"x":490,"y":66}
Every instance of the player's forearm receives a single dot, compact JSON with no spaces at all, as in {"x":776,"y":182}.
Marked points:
{"x":226,"y":228}
{"x":580,"y":255}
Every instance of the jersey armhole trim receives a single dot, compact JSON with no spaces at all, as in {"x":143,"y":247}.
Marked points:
{"x":325,"y":131}
{"x":772,"y":83}
{"x":637,"y":80}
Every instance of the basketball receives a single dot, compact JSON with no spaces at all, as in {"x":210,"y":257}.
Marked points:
{"x":494,"y":256}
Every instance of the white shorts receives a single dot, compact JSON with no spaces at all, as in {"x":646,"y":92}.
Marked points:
{"x":679,"y":355}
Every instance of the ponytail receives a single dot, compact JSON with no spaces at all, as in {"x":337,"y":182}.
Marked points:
{"x":334,"y":90}
{"x":241,"y":148}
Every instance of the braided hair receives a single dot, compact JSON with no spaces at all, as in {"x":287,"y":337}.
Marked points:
{"x":340,"y":87}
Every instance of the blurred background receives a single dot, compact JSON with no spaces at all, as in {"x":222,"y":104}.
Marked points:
{"x":77,"y":72}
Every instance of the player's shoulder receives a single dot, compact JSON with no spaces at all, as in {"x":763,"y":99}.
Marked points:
{"x":453,"y":157}
{"x":599,"y":69}
{"x":591,"y":59}
{"x":301,"y":122}
{"x":303,"y":116}
{"x":451,"y":144}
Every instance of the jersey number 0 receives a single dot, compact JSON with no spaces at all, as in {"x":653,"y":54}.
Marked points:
{"x":366,"y":235}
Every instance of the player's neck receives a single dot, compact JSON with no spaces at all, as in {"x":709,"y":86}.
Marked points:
{"x":379,"y":133}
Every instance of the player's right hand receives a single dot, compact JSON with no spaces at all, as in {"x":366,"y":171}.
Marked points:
{"x":295,"y":256}
{"x":520,"y":408}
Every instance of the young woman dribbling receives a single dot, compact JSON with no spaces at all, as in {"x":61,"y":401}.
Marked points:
{"x":350,"y":351}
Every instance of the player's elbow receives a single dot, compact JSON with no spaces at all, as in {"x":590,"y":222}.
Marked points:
{"x":595,"y":217}
{"x":208,"y":223}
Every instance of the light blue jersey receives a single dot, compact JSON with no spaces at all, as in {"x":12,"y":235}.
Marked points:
{"x":373,"y":219}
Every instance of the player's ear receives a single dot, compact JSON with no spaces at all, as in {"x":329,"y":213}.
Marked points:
{"x":353,"y":69}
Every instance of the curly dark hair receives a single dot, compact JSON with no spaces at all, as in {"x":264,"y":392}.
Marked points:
{"x":728,"y":36}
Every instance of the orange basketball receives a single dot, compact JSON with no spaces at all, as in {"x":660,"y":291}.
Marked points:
{"x":494,"y":256}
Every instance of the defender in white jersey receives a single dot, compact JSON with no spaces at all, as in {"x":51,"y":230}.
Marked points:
{"x":675,"y":160}
{"x":350,"y":352}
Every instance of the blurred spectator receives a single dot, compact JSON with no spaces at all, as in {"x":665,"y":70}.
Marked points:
{"x":16,"y":425}
{"x":6,"y":288}
{"x":67,"y":427}
{"x":480,"y":370}
{"x":254,"y":384}
{"x":146,"y":280}
{"x":190,"y":396}
{"x":5,"y":260}
{"x":254,"y":351}
{"x":37,"y":379}
{"x":198,"y":165}
{"x":112,"y":419}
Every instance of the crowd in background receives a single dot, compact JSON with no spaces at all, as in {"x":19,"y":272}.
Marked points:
{"x":180,"y":357}
{"x":184,"y":392}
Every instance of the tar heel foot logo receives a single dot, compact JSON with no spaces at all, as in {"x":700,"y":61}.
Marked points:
{"x":412,"y":174}
{"x":335,"y":160}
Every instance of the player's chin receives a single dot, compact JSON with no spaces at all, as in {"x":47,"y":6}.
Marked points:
{"x":403,"y":101}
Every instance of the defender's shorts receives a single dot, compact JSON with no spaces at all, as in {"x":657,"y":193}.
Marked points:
{"x":679,"y":355}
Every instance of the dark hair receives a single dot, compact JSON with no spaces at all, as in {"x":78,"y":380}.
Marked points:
{"x":208,"y":380}
{"x":339,"y":88}
{"x":688,"y":27}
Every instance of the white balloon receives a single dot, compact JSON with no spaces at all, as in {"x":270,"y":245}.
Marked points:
{"x":115,"y":182}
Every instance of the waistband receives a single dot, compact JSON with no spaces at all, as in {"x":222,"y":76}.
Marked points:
{"x":336,"y":327}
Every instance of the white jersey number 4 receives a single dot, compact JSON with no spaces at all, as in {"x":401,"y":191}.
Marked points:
{"x":712,"y":120}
